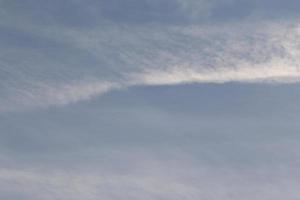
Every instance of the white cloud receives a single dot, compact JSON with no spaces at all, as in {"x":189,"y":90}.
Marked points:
{"x":151,"y":55}
{"x":250,"y":75}
{"x":44,"y":94}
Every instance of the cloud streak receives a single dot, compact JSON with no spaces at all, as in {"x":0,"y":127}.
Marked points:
{"x":56,"y":64}
{"x":133,"y":56}
{"x":194,"y":182}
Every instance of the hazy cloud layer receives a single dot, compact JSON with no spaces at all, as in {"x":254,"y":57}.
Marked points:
{"x":201,"y":182}
{"x":57,"y":52}
{"x":201,"y":99}
{"x":227,"y":141}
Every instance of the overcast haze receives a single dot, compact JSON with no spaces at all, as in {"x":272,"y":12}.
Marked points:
{"x":149,"y":99}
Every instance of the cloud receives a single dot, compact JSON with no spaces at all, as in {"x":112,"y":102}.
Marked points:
{"x":43,"y":94}
{"x":153,"y":178}
{"x":206,"y":141}
{"x":95,"y":61}
{"x":48,"y":64}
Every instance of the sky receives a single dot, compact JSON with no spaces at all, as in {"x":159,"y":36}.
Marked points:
{"x":149,"y":99}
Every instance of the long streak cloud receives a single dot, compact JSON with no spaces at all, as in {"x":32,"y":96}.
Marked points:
{"x":66,"y":64}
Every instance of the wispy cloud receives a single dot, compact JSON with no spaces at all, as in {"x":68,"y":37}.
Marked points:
{"x":155,"y":178}
{"x":125,"y":56}
{"x":217,"y":141}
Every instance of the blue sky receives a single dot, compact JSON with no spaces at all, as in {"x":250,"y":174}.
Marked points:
{"x":140,"y":99}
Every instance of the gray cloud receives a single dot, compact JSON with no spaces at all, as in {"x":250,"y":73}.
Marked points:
{"x":73,"y":13}
{"x":151,"y":141}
